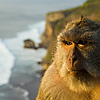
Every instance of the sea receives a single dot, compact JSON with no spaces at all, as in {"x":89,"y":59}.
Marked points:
{"x":21,"y":20}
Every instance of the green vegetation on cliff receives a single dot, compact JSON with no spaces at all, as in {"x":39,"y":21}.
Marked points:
{"x":56,"y":21}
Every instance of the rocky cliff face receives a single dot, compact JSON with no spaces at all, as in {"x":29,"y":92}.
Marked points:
{"x":50,"y":34}
{"x":51,"y":21}
{"x":56,"y":21}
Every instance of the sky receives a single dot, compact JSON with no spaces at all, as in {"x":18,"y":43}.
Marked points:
{"x":16,"y":15}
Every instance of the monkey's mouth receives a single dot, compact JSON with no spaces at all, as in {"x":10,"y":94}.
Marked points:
{"x":76,"y":69}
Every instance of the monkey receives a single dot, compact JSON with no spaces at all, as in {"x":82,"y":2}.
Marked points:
{"x":75,"y":71}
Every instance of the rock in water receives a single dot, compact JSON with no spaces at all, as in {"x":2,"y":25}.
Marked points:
{"x":29,"y":44}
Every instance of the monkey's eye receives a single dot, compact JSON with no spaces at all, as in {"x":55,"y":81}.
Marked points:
{"x":67,"y":42}
{"x":82,"y":43}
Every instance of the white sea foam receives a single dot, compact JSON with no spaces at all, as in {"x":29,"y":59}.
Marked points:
{"x":15,"y":46}
{"x":6,"y":63}
{"x":34,"y":32}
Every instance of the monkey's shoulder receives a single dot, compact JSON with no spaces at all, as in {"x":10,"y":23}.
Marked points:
{"x":52,"y":76}
{"x":53,"y":86}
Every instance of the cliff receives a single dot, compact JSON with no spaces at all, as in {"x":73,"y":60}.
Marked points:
{"x":55,"y":22}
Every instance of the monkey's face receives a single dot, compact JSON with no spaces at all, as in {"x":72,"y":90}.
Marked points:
{"x":74,"y":57}
{"x":80,"y":53}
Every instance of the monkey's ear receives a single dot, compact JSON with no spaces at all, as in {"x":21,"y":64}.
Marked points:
{"x":81,"y":21}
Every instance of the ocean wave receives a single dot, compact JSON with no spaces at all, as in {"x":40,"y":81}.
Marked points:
{"x":33,"y":32}
{"x":6,"y":63}
{"x":14,"y":46}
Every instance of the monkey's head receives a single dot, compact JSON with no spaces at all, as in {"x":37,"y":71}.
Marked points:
{"x":78,"y":54}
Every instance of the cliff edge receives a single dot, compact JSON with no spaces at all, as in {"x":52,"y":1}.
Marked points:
{"x":55,"y":22}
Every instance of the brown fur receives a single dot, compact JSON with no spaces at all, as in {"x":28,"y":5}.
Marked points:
{"x":75,"y":72}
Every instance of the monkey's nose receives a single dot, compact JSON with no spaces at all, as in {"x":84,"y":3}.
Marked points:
{"x":73,"y":59}
{"x":72,"y":63}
